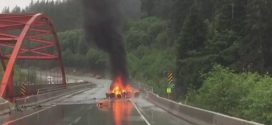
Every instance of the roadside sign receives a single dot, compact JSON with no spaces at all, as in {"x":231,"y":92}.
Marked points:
{"x":23,"y":90}
{"x":169,"y":90}
{"x":171,"y":85}
{"x":170,"y":77}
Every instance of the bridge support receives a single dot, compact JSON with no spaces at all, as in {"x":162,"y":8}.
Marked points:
{"x":15,"y":31}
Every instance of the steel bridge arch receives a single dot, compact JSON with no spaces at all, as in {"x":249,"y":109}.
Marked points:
{"x":36,"y":28}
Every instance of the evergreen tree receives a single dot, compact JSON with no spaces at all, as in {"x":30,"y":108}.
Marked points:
{"x":178,"y":13}
{"x":6,"y":10}
{"x":227,"y":31}
{"x":191,"y":41}
{"x":16,"y":9}
{"x":257,"y":47}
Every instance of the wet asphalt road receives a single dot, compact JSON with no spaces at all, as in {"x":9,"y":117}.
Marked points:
{"x":79,"y":114}
{"x":81,"y":109}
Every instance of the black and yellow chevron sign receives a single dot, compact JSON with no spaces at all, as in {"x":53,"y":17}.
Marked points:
{"x":23,"y":90}
{"x":170,"y":78}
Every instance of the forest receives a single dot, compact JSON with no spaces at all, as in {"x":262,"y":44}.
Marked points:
{"x":219,"y":51}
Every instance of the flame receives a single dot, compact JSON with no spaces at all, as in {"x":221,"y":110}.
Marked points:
{"x":118,"y":86}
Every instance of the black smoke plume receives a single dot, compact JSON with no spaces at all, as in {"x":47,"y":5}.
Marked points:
{"x":103,"y":25}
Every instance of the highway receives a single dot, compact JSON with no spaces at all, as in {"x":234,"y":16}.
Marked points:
{"x":80,"y":109}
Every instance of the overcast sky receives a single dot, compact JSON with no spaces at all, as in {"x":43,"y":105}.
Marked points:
{"x":12,"y":3}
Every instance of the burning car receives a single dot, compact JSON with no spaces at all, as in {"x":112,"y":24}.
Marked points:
{"x":120,"y":90}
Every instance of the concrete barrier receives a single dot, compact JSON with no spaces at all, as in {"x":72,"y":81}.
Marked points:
{"x":37,"y":99}
{"x":195,"y":115}
{"x":57,"y":91}
{"x":5,"y":106}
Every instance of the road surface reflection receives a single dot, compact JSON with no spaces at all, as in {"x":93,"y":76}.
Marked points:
{"x":118,"y":112}
{"x":121,"y":112}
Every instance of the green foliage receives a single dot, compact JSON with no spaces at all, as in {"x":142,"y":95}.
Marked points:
{"x":19,"y":75}
{"x":159,"y":8}
{"x":257,"y":105}
{"x":146,"y":32}
{"x":150,"y":52}
{"x":77,"y":52}
{"x":179,"y":13}
{"x":96,"y":59}
{"x":245,"y":95}
{"x":146,"y":68}
{"x":257,"y":37}
{"x":68,"y":14}
{"x":190,"y":44}
{"x":233,"y":33}
{"x":192,"y":36}
{"x":189,"y":72}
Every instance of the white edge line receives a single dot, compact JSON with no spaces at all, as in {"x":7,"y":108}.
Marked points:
{"x":146,"y":121}
{"x":3,"y":103}
{"x":15,"y":120}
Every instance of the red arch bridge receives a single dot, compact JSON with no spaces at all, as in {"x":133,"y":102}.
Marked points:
{"x":32,"y":37}
{"x":17,"y":34}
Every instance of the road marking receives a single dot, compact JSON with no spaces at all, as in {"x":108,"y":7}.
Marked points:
{"x":15,"y":120}
{"x":146,"y":121}
{"x":77,"y":119}
{"x":4,"y":103}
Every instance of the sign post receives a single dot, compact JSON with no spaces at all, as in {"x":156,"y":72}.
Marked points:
{"x":168,"y":91}
{"x":170,"y":79}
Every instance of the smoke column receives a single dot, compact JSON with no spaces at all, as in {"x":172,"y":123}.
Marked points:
{"x":103,"y":25}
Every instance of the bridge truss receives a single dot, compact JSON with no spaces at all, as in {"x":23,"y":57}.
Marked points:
{"x":26,"y":37}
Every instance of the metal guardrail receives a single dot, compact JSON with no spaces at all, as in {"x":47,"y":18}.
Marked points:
{"x":50,"y":89}
{"x":37,"y":99}
{"x":196,"y":115}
